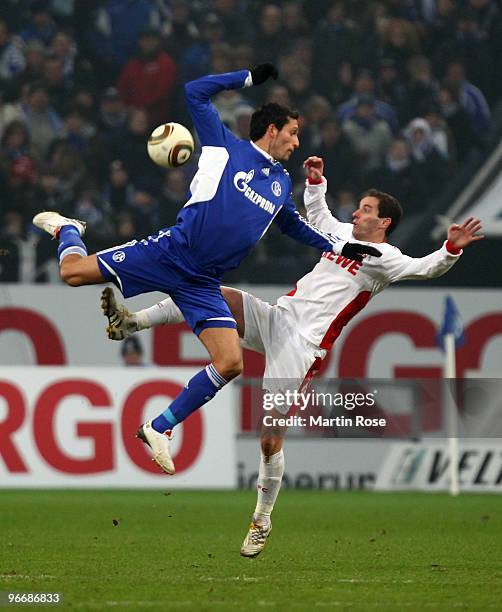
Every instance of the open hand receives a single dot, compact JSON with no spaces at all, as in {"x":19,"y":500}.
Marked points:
{"x":460,"y":236}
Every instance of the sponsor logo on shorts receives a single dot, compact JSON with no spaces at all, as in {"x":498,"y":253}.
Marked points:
{"x":118,"y":256}
{"x":276,"y":188}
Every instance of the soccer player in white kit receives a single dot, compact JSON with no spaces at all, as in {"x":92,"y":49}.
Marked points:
{"x":296,"y":333}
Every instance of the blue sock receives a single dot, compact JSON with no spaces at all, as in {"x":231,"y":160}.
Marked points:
{"x":198,"y":391}
{"x":70,"y":242}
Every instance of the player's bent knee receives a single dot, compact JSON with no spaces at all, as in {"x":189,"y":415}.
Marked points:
{"x":270,"y":445}
{"x":229,"y":368}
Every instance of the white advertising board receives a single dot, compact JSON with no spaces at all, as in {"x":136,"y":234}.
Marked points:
{"x":394,"y":336}
{"x":424,"y":466}
{"x":75,"y":427}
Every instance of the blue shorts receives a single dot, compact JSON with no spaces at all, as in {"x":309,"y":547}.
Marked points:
{"x":153,"y":265}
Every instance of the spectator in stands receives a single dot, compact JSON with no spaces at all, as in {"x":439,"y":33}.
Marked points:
{"x":34,"y":54}
{"x":364,"y":85}
{"x":345,"y":203}
{"x":8,"y":113}
{"x":195,"y":60}
{"x":421,"y":88}
{"x":173,"y":196}
{"x":440,"y":132}
{"x":129,"y":146}
{"x":441,"y":25}
{"x":118,"y":191}
{"x":68,"y":165}
{"x":317,"y":111}
{"x":77,"y":70}
{"x":369,"y":135}
{"x":91,"y":208}
{"x":465,"y":137}
{"x":237,"y":29}
{"x":268,"y":36}
{"x":41,"y":25}
{"x":400,"y":174}
{"x":12,"y":60}
{"x":112,"y":117}
{"x":243,"y":119}
{"x":58,"y":88}
{"x":470,"y":47}
{"x":337,"y":37}
{"x":390,"y":88}
{"x":113,"y":34}
{"x":432,"y":164}
{"x":52,"y":192}
{"x":294,"y":22}
{"x":15,"y":142}
{"x":341,"y":166}
{"x":181,"y":31}
{"x":279,"y":94}
{"x":42,"y":120}
{"x":243,"y":56}
{"x":147,"y":81}
{"x":400,"y":42}
{"x":131,"y":352}
{"x":343,"y":86}
{"x":471,"y":98}
{"x":13,"y":245}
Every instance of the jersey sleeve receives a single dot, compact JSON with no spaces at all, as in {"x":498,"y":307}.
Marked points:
{"x":402,"y":267}
{"x":318,"y":212}
{"x":206,"y":121}
{"x":290,"y":222}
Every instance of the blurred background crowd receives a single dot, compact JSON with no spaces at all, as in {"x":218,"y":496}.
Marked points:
{"x":403,"y":95}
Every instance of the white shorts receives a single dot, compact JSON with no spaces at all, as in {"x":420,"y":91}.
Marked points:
{"x":289,"y":357}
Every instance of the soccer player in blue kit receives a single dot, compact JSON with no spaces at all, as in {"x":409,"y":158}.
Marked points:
{"x":239,"y":189}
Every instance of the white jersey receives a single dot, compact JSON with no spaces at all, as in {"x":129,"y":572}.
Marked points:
{"x":327,"y":298}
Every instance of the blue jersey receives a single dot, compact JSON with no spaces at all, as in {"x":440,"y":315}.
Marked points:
{"x":237,"y":192}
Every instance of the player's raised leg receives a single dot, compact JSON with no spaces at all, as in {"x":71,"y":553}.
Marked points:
{"x":268,"y":485}
{"x":224,"y":349}
{"x":122,"y":323}
{"x":76,"y":267}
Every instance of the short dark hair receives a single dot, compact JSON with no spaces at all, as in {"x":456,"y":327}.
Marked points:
{"x":271,"y":113}
{"x":388,"y":206}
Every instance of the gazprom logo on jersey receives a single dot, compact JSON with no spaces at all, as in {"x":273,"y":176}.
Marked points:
{"x":241,"y":180}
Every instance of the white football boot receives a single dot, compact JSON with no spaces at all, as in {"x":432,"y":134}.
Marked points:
{"x":159,"y":443}
{"x":52,"y":222}
{"x":121,"y":323}
{"x":255,"y":540}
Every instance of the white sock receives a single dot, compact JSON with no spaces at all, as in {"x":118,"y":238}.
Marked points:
{"x":159,"y":314}
{"x":268,"y":485}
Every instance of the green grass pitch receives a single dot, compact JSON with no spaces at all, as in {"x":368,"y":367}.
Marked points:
{"x":180,"y":550}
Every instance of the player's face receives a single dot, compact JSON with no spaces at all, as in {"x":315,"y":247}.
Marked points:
{"x":285,"y":141}
{"x":367,"y":223}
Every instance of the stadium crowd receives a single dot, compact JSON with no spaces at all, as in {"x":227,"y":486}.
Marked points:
{"x":394,"y":94}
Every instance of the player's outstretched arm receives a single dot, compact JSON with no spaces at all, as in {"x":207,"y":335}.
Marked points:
{"x":198,"y":95}
{"x":437,"y":263}
{"x":291,"y":223}
{"x":314,"y":197}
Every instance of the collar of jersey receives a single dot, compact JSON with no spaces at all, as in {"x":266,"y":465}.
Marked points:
{"x":264,"y":153}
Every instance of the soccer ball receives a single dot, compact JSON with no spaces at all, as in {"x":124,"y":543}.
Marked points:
{"x":170,"y":145}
